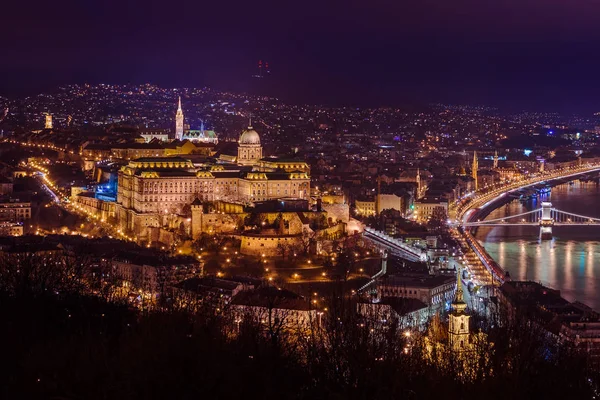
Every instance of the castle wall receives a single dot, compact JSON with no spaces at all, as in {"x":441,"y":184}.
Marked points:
{"x":257,"y":245}
{"x":103,"y":210}
{"x":337,"y":212}
{"x":213,"y":223}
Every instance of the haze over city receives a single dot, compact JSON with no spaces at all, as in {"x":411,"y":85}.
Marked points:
{"x":515,"y":54}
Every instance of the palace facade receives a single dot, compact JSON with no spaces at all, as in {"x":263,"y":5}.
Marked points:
{"x":151,"y":189}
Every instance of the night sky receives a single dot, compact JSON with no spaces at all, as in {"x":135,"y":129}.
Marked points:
{"x":515,"y":54}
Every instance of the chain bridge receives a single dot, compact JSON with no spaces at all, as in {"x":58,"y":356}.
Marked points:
{"x":546,"y":217}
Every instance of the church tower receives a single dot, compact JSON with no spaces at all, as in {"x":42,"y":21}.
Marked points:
{"x":458,"y":329}
{"x":179,"y":122}
{"x":474,"y":169}
{"x":419,"y":187}
{"x":496,"y":159}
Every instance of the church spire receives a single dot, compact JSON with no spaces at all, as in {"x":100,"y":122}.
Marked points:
{"x":496,"y":159}
{"x":474,"y":169}
{"x":418,"y":178}
{"x":458,"y":328}
{"x":458,"y":298}
{"x":459,"y":305}
{"x":179,"y":121}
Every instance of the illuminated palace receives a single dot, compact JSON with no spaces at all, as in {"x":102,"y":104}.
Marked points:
{"x":154,"y":188}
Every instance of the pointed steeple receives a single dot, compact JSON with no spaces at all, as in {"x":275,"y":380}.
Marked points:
{"x":418,"y":179}
{"x":458,"y":321}
{"x":474,"y":169}
{"x":496,"y":159}
{"x":179,"y":121}
{"x":250,"y":121}
{"x":459,"y":305}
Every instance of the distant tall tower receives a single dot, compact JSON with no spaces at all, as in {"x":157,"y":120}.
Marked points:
{"x":496,"y":159}
{"x":418,"y":183}
{"x":474,"y":169}
{"x":458,"y":329}
{"x":377,"y":197}
{"x":179,"y":122}
{"x":48,"y":124}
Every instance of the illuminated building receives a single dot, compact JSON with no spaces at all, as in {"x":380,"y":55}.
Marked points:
{"x":184,"y":133}
{"x":154,"y":191}
{"x":474,"y":169}
{"x":179,"y":122}
{"x":458,"y":328}
{"x":365,"y":208}
{"x":48,"y":123}
{"x":202,"y":135}
{"x":249,"y":148}
{"x":151,"y":134}
{"x":431,"y":290}
{"x":379,"y":203}
{"x":426,"y":207}
{"x":11,"y":229}
{"x":15,"y":211}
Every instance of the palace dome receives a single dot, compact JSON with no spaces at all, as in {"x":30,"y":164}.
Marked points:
{"x":249,"y":136}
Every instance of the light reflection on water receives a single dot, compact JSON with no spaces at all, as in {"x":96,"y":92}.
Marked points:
{"x":570,"y":262}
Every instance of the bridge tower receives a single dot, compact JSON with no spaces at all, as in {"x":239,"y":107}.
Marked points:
{"x":546,"y":221}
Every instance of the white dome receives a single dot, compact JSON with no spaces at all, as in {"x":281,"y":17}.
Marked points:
{"x":249,"y":136}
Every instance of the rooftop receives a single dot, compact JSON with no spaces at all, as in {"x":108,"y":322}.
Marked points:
{"x":272,"y":297}
{"x":421,"y":281}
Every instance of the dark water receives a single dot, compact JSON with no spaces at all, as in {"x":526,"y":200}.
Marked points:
{"x":570,"y":262}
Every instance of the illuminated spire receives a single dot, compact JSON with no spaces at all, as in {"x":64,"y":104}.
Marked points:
{"x":496,"y":159}
{"x":474,"y":169}
{"x":179,"y":122}
{"x":458,"y":298}
{"x":459,"y":304}
{"x":418,"y":183}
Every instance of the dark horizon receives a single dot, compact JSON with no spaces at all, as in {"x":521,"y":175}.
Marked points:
{"x":520,"y":55}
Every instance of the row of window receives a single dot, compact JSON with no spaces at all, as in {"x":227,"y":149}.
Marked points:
{"x":184,"y":187}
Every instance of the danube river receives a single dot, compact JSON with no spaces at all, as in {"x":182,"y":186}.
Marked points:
{"x":570,"y":262}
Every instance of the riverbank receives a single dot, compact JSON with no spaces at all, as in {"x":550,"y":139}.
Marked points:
{"x":570,"y":262}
